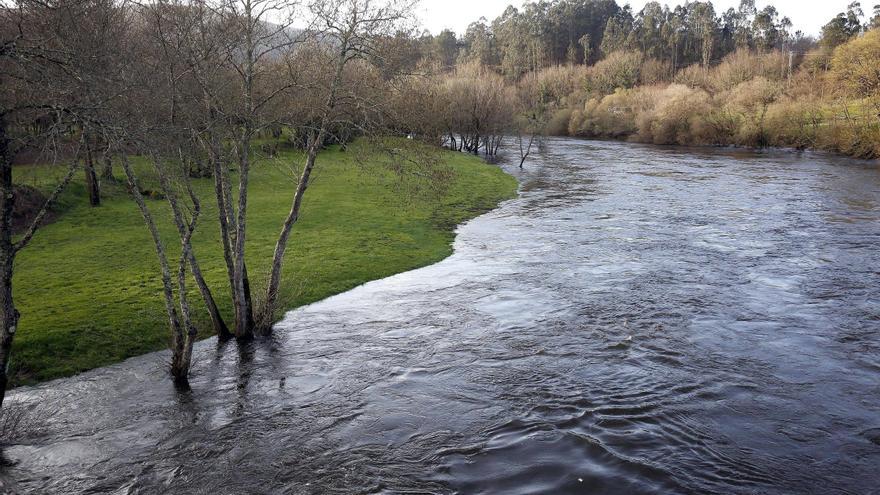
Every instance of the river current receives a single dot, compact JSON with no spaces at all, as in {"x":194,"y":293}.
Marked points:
{"x":639,"y":320}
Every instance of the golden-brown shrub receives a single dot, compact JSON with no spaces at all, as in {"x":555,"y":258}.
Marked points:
{"x":675,"y":117}
{"x":620,"y":69}
{"x":794,"y":122}
{"x":859,"y":139}
{"x":750,"y":100}
{"x":615,"y":114}
{"x":694,"y":76}
{"x":735,"y":69}
{"x":855,"y":66}
{"x":817,"y":61}
{"x":556,"y":84}
{"x":743,"y":65}
{"x":655,"y":72}
{"x":559,"y":122}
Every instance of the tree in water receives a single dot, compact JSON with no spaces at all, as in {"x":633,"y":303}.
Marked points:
{"x":354,"y":27}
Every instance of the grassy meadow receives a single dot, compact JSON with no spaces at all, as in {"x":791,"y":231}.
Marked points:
{"x":88,"y":287}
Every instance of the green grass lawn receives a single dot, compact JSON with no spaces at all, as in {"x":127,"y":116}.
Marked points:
{"x":88,"y":286}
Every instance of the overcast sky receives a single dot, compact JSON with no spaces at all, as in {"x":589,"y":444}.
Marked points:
{"x":807,"y":15}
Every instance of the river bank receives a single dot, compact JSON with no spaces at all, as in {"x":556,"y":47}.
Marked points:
{"x":88,"y":287}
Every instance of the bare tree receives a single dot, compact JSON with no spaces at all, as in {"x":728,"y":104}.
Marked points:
{"x":157,"y":119}
{"x":347,"y":33}
{"x":258,"y":32}
{"x":530,"y":119}
{"x":175,"y":31}
{"x":480,"y":110}
{"x":183,"y":332}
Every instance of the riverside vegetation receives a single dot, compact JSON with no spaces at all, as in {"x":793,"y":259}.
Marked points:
{"x":686,"y":75}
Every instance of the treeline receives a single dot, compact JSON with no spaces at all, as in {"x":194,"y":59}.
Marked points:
{"x":683,"y":75}
{"x":582,"y":32}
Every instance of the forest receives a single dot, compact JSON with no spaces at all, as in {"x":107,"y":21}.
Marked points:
{"x":179,"y":103}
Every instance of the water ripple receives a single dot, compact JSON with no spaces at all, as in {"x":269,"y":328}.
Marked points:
{"x":641,"y":320}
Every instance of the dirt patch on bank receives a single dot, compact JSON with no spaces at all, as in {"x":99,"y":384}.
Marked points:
{"x":28,"y":201}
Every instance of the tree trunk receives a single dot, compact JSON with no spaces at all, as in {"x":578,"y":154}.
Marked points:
{"x":244,"y":316}
{"x":8,"y":313}
{"x":524,"y":152}
{"x":217,"y":322}
{"x":268,"y":310}
{"x":107,"y":169}
{"x":177,"y":337}
{"x":241,"y":299}
{"x":186,"y":231}
{"x":92,"y":185}
{"x":183,"y":342}
{"x":223,"y":211}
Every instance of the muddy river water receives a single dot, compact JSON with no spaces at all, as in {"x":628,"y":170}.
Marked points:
{"x":639,"y":320}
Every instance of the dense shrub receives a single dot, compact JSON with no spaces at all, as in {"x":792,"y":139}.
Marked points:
{"x":613,"y":115}
{"x":855,"y":66}
{"x":750,"y":101}
{"x":556,"y":84}
{"x":655,"y":72}
{"x":676,"y":116}
{"x":620,"y":69}
{"x":858,"y":139}
{"x":735,"y":69}
{"x":817,"y":61}
{"x":558,"y":123}
{"x":694,"y":76}
{"x":794,"y":122}
{"x":654,"y":114}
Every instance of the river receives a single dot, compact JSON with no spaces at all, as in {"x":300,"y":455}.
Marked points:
{"x":640,"y":320}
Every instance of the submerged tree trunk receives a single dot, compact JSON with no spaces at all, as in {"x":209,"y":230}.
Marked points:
{"x":498,"y":141}
{"x":524,"y":151}
{"x":177,"y":337}
{"x":186,"y":231}
{"x":183,"y":341}
{"x":268,"y":311}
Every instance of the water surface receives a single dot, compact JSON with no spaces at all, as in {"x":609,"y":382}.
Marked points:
{"x":639,"y":320}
